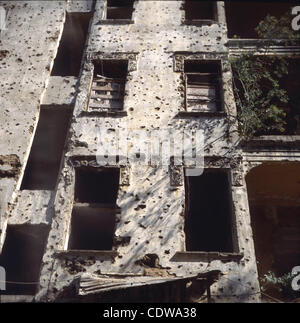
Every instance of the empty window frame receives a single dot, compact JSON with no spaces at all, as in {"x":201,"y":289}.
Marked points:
{"x":208,"y":225}
{"x":198,"y":10}
{"x":44,"y":160}
{"x":291,"y":83}
{"x":94,"y":211}
{"x":273,"y":190}
{"x":21,"y":257}
{"x":92,"y":228}
{"x":97,"y":185}
{"x":119,"y":9}
{"x":244,"y":16}
{"x":202,"y":86}
{"x":69,"y":55}
{"x":107,"y":92}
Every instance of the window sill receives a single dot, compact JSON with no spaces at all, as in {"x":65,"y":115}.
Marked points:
{"x":197,"y":256}
{"x":233,"y":42}
{"x":79,"y":253}
{"x":219,"y":114}
{"x":200,"y":22}
{"x":250,"y":44}
{"x":115,"y":22}
{"x":103,"y":114}
{"x":110,"y":207}
{"x":16,"y":298}
{"x":272,"y":142}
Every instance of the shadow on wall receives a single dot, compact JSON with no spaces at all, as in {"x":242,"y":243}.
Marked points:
{"x":21,"y":257}
{"x":72,"y":43}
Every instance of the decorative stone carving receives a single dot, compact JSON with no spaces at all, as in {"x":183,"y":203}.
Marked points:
{"x":178,"y":63}
{"x":222,"y":162}
{"x":83,"y":161}
{"x":176,"y":176}
{"x":233,"y":164}
{"x":125,"y":176}
{"x":91,"y":161}
{"x":237,"y":178}
{"x":131,"y":57}
{"x":180,"y":58}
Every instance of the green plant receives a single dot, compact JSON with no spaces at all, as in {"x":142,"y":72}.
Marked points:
{"x":277,"y":28}
{"x":261,"y":101}
{"x":258,"y":94}
{"x":282,"y":284}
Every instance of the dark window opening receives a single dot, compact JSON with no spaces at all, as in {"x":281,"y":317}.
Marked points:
{"x":92,"y":228}
{"x":119,"y":9}
{"x":208,"y":225}
{"x":273,"y":195}
{"x":244,"y":16}
{"x":44,"y":160}
{"x":21,"y":257}
{"x":291,"y":83}
{"x":108,"y":86}
{"x":72,"y":43}
{"x":111,"y":68}
{"x":93,"y":216}
{"x":97,"y":185}
{"x":202,"y":83}
{"x":200,"y":10}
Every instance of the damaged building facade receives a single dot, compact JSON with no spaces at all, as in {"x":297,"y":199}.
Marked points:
{"x":75,"y":230}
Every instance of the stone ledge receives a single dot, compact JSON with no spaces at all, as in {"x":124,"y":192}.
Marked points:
{"x":61,"y":91}
{"x":115,"y":22}
{"x":194,"y":256}
{"x":200,"y":22}
{"x":254,"y":41}
{"x":273,"y":45}
{"x":218,"y":114}
{"x":79,"y":253}
{"x":32,"y":207}
{"x":105,"y":206}
{"x":103,"y":114}
{"x":271,"y":142}
{"x":16,"y":298}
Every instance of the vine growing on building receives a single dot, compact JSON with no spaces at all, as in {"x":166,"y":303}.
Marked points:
{"x":279,"y":284}
{"x":262,"y":102}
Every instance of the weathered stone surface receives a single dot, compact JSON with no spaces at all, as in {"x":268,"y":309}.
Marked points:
{"x":152,"y":211}
{"x":60,"y":91}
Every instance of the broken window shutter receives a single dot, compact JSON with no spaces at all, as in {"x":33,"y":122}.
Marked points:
{"x":107,"y":93}
{"x":201,"y":92}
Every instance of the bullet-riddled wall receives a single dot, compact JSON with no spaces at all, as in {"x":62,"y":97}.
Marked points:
{"x":150,"y":217}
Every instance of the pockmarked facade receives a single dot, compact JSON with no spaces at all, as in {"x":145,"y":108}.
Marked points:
{"x":108,"y":108}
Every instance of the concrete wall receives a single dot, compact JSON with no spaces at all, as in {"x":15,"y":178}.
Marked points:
{"x":152,"y":211}
{"x":28,"y":47}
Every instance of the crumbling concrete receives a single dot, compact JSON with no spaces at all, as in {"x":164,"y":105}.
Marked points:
{"x":60,"y":91}
{"x":151,"y":199}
